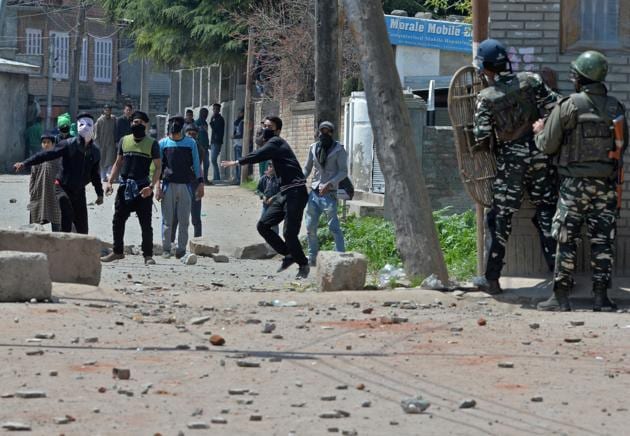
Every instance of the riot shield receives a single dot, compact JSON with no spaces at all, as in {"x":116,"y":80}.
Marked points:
{"x":477,"y":170}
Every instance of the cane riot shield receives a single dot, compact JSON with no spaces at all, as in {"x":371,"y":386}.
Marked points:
{"x":477,"y":170}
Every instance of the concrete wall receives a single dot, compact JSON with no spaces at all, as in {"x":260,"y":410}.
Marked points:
{"x":437,"y":151}
{"x":451,"y":61}
{"x":417,"y":61}
{"x":13,"y":94}
{"x":532,"y":31}
{"x":441,"y":174}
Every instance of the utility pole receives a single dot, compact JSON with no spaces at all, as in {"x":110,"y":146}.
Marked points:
{"x":3,"y":6}
{"x":480,"y":33}
{"x":416,"y":234}
{"x":49,"y":88}
{"x":77,"y":50}
{"x":327,"y":65}
{"x":248,"y":120}
{"x":144,"y":86}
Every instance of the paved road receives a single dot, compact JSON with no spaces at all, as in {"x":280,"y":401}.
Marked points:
{"x":229,"y":214}
{"x":350,"y":355}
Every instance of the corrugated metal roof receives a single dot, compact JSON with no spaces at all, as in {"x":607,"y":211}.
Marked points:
{"x":9,"y":66}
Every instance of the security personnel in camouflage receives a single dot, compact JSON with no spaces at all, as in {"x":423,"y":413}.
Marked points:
{"x":579,"y":135}
{"x":505,"y":111}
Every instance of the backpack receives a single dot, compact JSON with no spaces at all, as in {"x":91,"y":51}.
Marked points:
{"x":346,"y":189}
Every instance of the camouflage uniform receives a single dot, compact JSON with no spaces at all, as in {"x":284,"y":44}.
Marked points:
{"x":521,"y":167}
{"x":580,"y":145}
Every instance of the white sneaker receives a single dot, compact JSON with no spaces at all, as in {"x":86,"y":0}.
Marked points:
{"x":189,"y":259}
{"x":166,"y":255}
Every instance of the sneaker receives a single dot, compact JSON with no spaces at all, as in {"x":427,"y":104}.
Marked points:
{"x":166,"y":255}
{"x":148,"y":260}
{"x":303,"y":272}
{"x":287,"y":261}
{"x":112,"y":256}
{"x":179,"y":254}
{"x":189,"y":259}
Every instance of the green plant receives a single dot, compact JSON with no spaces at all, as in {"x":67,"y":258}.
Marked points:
{"x":375,"y":238}
{"x":457,"y":233}
{"x":250,"y":185}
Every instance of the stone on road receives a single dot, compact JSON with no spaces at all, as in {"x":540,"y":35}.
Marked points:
{"x":24,"y":276}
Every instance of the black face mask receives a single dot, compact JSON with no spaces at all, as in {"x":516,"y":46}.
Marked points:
{"x":64,"y":129}
{"x":325,"y":143}
{"x":326,"y":140}
{"x":138,"y":131}
{"x":175,"y":127}
{"x":268,"y":134}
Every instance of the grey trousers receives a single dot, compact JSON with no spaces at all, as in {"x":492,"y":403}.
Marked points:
{"x":177,"y":200}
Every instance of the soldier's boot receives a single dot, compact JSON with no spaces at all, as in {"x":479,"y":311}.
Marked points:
{"x":600,"y":298}
{"x":558,"y":302}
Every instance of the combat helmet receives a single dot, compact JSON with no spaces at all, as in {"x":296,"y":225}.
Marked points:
{"x":492,"y":55}
{"x":592,"y":65}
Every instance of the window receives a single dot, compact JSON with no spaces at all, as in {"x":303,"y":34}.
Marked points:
{"x":83,"y":71}
{"x":33,"y":41}
{"x":61,"y":43}
{"x":595,"y":24}
{"x":102,"y":60}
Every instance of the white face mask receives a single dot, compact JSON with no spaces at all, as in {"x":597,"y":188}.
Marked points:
{"x":85,"y":128}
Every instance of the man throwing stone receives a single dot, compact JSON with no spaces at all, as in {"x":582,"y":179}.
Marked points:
{"x":80,"y":160}
{"x":289,"y":204}
{"x":135,"y":191}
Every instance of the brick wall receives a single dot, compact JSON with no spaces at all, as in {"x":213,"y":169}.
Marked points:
{"x":531,"y":29}
{"x":440,"y":170}
{"x":91,"y":93}
{"x":439,"y":162}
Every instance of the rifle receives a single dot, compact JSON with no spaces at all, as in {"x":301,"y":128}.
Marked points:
{"x":617,"y":154}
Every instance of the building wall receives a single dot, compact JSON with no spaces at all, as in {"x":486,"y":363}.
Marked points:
{"x":441,"y":174}
{"x":532,"y":31}
{"x":439,"y":162}
{"x":13,"y":94}
{"x":91,"y":93}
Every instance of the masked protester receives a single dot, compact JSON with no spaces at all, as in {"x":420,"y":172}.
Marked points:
{"x":506,"y":110}
{"x":579,"y":134}
{"x":181,"y":173}
{"x":330,"y":161}
{"x":136,"y":152}
{"x":288,"y":205}
{"x":80,"y":160}
{"x":64,"y":123}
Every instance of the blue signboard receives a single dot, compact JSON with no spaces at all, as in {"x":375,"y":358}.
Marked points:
{"x":417,"y":32}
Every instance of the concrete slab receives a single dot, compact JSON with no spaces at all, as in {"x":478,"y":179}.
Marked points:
{"x":71,"y":257}
{"x":24,"y":276}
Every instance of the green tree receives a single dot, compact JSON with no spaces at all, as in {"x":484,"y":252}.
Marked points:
{"x":188,"y":32}
{"x":439,"y":8}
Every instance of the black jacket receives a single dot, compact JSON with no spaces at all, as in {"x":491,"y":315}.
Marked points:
{"x":217,"y":124}
{"x":123,"y":127}
{"x":285,"y":164}
{"x":79,"y":164}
